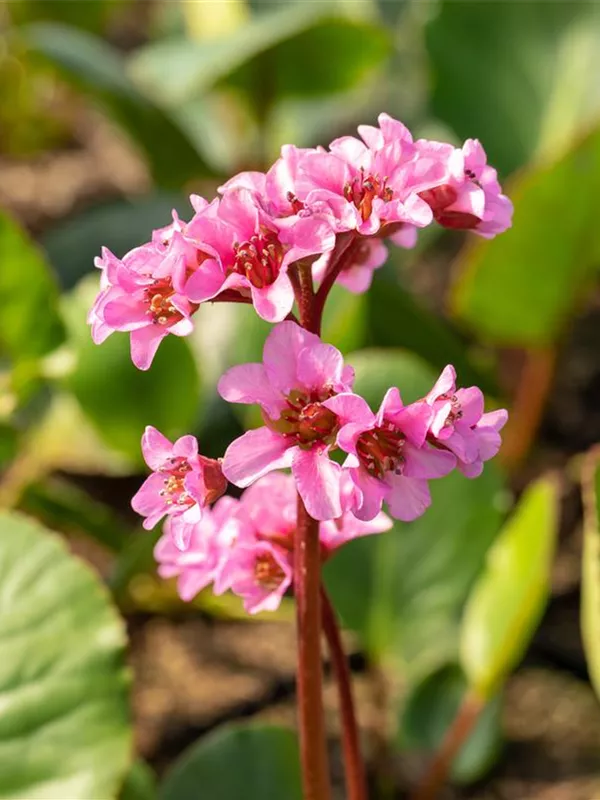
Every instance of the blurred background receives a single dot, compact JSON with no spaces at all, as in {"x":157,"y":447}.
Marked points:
{"x":111,"y":113}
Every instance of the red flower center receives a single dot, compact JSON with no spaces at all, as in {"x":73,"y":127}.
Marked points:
{"x":259,"y":259}
{"x":267,"y":572}
{"x":174,"y":492}
{"x":160,"y":307}
{"x":306,"y":419}
{"x":362,"y":190}
{"x":380,"y":450}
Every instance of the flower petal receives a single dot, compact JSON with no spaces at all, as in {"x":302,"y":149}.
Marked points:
{"x":249,"y":383}
{"x":254,"y":454}
{"x":318,"y":481}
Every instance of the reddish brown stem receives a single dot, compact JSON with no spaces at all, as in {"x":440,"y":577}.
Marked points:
{"x":340,"y":257}
{"x":535,"y":381}
{"x":356,"y":786}
{"x":456,"y":736}
{"x":311,"y":721}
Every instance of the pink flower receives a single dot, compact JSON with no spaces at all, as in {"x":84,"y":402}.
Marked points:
{"x":459,"y":424}
{"x":254,"y":252}
{"x":247,"y":546}
{"x":389,"y":459}
{"x":210,"y":541}
{"x":369,"y":255}
{"x":293,"y":386}
{"x":144,"y":292}
{"x":470,"y":197}
{"x":368,"y":186}
{"x":181,"y":485}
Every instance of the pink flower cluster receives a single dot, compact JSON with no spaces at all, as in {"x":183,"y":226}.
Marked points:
{"x":314,"y":217}
{"x":246,"y":545}
{"x":304,"y":390}
{"x":240,"y":246}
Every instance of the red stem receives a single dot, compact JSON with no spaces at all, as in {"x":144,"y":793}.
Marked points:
{"x":457,"y":734}
{"x":340,"y":257}
{"x":307,"y":567}
{"x":356,"y":786}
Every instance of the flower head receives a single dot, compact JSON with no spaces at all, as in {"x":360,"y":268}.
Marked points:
{"x":388,"y":456}
{"x":293,"y":386}
{"x":181,"y":485}
{"x":459,"y":424}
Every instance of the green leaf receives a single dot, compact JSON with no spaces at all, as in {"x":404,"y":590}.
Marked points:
{"x":432,"y":707}
{"x":93,"y":66}
{"x":30,"y":325}
{"x":377,"y":370}
{"x":298,"y":49}
{"x":93,"y":16}
{"x":590,"y":570}
{"x":253,"y":761}
{"x":403,"y":591}
{"x":397,"y":319}
{"x":345,"y":319}
{"x":72,"y":246}
{"x":140,"y":783}
{"x":63,"y":506}
{"x":509,"y":597}
{"x":64,"y":729}
{"x":520,"y":100}
{"x":121,"y":400}
{"x":519,"y":288}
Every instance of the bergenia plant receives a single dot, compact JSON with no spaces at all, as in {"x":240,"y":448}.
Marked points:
{"x":279,"y":241}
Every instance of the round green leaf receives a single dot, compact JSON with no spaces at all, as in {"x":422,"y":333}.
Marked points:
{"x":509,"y":597}
{"x":121,"y":400}
{"x":243,"y":761}
{"x":432,"y":707}
{"x":64,"y":727}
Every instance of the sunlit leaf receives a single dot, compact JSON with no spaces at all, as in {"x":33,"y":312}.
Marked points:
{"x":64,"y":728}
{"x":507,"y":601}
{"x":590,"y":571}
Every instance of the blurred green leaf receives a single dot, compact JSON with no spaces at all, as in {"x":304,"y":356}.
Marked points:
{"x":140,"y":783}
{"x":378,"y":369}
{"x":65,"y":729}
{"x":590,"y":570}
{"x":293,"y":50}
{"x":91,"y":16}
{"x":520,"y":288}
{"x":397,"y":319}
{"x":63,"y":506}
{"x":509,"y":597}
{"x":72,"y":246}
{"x":523,"y":99}
{"x":30,"y":324}
{"x":345,"y":319}
{"x":93,"y":66}
{"x":403,"y":591}
{"x":253,"y":761}
{"x":119,"y":399}
{"x":429,"y":712}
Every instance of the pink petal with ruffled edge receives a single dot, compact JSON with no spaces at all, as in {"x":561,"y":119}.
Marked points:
{"x":408,"y":498}
{"x":249,"y":383}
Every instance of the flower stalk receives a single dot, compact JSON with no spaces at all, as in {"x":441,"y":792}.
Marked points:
{"x":311,"y":721}
{"x":356,"y":785}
